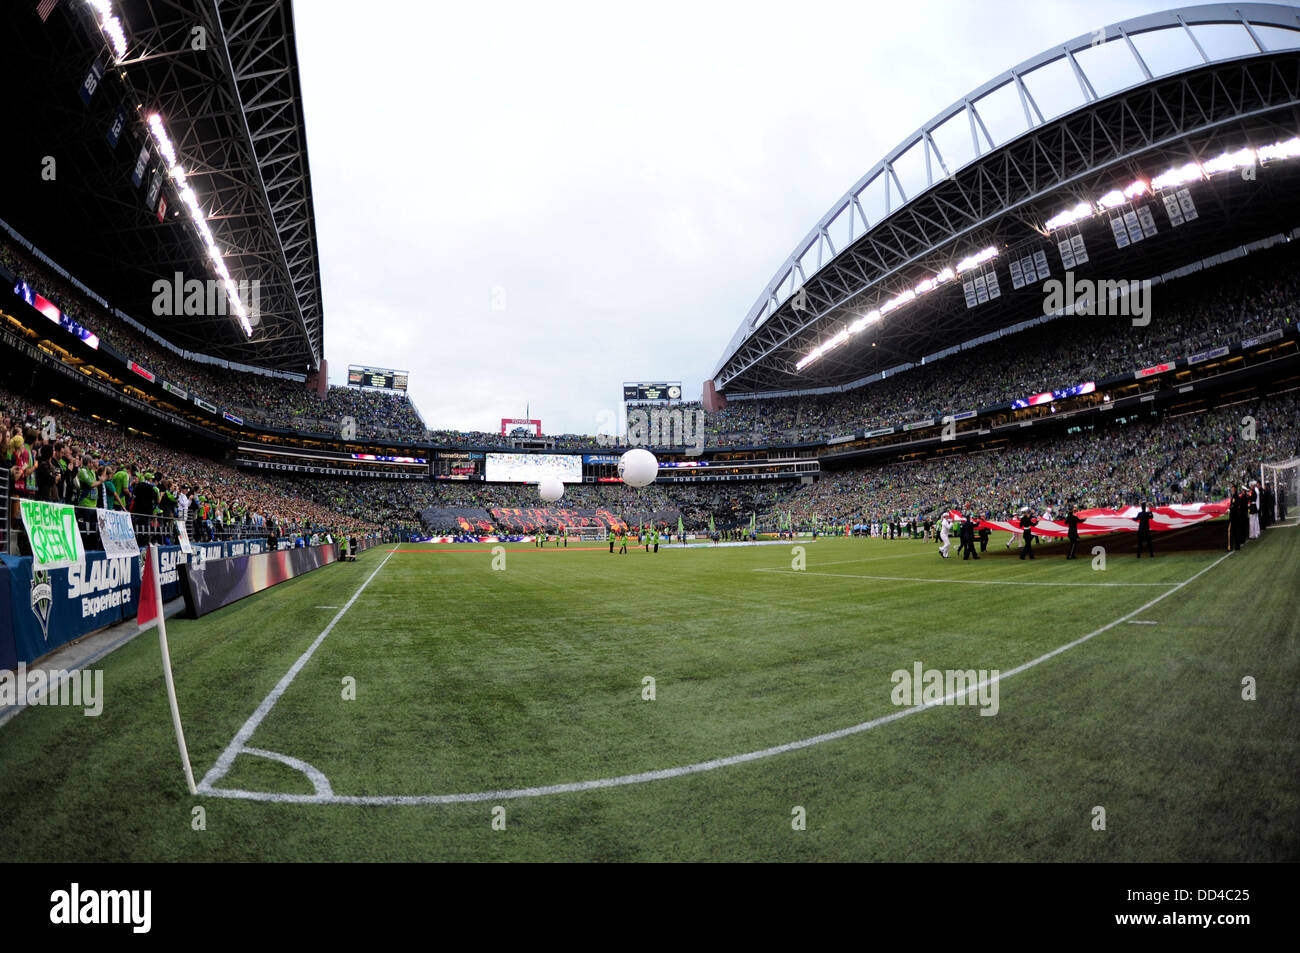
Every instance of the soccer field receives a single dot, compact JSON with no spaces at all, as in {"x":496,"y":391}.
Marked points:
{"x":518,"y":695}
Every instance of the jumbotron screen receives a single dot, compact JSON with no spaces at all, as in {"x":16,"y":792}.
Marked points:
{"x":533,"y":467}
{"x":376,"y":377}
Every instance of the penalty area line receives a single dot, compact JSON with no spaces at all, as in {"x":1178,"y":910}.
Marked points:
{"x":400,"y":800}
{"x":223,"y":763}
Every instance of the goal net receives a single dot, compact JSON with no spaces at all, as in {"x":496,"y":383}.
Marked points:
{"x":1284,"y":480}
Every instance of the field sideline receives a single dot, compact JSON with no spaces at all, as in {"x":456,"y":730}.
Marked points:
{"x":472,"y":683}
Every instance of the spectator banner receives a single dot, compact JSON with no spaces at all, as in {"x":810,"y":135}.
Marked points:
{"x":232,"y":418}
{"x":1209,"y":355}
{"x":173,"y":389}
{"x":183,"y":538}
{"x":52,"y":530}
{"x":1262,"y":339}
{"x":918,"y":425}
{"x":200,"y":402}
{"x":845,"y":439}
{"x":964,"y":415}
{"x":116,"y":533}
{"x":878,"y":433}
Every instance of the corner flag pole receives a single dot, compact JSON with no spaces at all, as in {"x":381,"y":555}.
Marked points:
{"x":151,"y":612}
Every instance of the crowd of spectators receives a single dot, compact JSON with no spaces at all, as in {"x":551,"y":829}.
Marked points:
{"x":1213,"y":308}
{"x":256,"y":398}
{"x":89,"y":462}
{"x":1154,"y":460}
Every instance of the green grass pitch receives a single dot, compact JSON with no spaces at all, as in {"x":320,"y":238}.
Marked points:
{"x":471,"y":680}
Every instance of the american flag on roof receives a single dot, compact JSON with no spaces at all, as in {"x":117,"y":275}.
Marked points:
{"x":45,"y":8}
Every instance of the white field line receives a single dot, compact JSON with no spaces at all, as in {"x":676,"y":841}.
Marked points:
{"x":968,"y":582}
{"x":218,"y":770}
{"x":697,"y":768}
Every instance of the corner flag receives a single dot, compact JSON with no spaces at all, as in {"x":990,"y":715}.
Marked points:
{"x":150,"y":613}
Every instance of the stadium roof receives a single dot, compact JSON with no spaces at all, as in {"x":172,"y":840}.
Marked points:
{"x":223,"y":79}
{"x":1087,"y":116}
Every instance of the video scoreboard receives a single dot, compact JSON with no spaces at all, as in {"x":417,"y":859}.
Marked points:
{"x":376,"y":377}
{"x":665,"y":391}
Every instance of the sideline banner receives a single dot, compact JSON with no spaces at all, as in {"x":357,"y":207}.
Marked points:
{"x":50,"y":607}
{"x":217,"y":583}
{"x":117,"y":534}
{"x":52,"y":530}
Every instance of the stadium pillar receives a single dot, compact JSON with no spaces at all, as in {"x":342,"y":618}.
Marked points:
{"x":713,"y":401}
{"x":318,"y":381}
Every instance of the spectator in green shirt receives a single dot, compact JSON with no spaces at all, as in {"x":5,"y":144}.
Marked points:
{"x":87,"y":482}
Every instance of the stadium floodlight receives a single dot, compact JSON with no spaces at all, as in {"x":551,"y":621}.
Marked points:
{"x":897,"y":301}
{"x":1229,"y":161}
{"x":977,"y":259}
{"x":110,"y":25}
{"x":1178,"y":176}
{"x":188,"y":196}
{"x":1286,"y":149}
{"x":1117,"y":197}
{"x":1069,"y":216}
{"x":868,"y":319}
{"x":874,"y":316}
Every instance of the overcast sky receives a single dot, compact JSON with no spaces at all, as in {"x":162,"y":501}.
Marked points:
{"x":528,"y":204}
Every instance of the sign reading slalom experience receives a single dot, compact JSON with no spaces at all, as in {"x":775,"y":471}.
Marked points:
{"x":116,"y":533}
{"x":52,"y":529}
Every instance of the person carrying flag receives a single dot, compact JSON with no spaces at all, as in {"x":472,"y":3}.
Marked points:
{"x":1027,"y":524}
{"x":1072,"y":532}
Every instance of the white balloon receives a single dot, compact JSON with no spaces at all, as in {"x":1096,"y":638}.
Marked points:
{"x":550,"y":489}
{"x":638,"y":467}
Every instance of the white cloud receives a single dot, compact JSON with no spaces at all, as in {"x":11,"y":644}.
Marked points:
{"x":630,"y":176}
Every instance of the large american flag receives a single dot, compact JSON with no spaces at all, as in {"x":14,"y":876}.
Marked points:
{"x":45,"y":8}
{"x":1095,"y":522}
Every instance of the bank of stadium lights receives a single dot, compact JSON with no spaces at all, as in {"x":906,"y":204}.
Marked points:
{"x":911,"y":294}
{"x":187,"y":195}
{"x":1244,"y":158}
{"x":110,"y":25}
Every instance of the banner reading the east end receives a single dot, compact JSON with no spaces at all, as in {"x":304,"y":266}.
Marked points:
{"x":116,"y":533}
{"x":52,"y":530}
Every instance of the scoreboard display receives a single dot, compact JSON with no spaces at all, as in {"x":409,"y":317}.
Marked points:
{"x":668,"y":390}
{"x":376,"y":377}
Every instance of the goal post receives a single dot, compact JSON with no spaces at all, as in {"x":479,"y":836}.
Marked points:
{"x":1283,"y":479}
